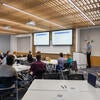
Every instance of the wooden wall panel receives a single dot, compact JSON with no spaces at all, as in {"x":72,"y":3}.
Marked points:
{"x":33,"y":47}
{"x":21,"y":53}
{"x":73,"y":42}
{"x":95,"y":61}
{"x":52,"y":56}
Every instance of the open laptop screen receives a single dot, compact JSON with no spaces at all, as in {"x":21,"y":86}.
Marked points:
{"x":92,"y":79}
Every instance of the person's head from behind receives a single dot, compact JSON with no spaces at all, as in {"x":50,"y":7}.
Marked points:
{"x":38,"y":57}
{"x":14,"y":52}
{"x":8,"y":52}
{"x":0,"y":52}
{"x":61,"y":54}
{"x":10,"y":59}
{"x":88,"y":43}
{"x":68,"y":55}
{"x":30,"y":52}
{"x":38,"y":52}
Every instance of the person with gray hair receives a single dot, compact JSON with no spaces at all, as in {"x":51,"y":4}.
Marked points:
{"x":88,"y":53}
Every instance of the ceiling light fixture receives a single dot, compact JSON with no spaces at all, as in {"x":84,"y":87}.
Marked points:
{"x":76,"y":8}
{"x":21,"y":25}
{"x":31,"y":23}
{"x":9,"y":6}
{"x":7,"y":27}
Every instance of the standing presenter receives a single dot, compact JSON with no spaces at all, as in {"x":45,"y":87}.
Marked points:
{"x":88,"y":52}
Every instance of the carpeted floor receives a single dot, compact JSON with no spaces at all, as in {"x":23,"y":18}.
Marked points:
{"x":85,"y":71}
{"x":21,"y":93}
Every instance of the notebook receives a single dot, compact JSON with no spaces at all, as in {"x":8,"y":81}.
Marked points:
{"x":92,"y":79}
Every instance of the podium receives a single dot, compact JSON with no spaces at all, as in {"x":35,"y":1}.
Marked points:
{"x":81,"y":59}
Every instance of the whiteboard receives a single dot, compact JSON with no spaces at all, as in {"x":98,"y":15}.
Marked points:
{"x":53,"y":49}
{"x":81,"y":59}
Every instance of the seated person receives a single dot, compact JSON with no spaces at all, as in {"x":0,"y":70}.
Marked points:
{"x":38,"y":53}
{"x":0,"y":61}
{"x":61,"y":62}
{"x":29,"y":57}
{"x":69,"y":61}
{"x":38,"y":68}
{"x":98,"y":74}
{"x":4,"y":59}
{"x":7,"y":70}
{"x":14,"y":54}
{"x":1,"y":55}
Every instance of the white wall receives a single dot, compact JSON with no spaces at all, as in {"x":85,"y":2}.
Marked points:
{"x":4,"y":43}
{"x":9,"y":42}
{"x":92,"y":33}
{"x":14,"y":41}
{"x":78,"y":40}
{"x":54,"y":49}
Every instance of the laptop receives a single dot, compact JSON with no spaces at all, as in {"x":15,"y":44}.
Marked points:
{"x":92,"y":79}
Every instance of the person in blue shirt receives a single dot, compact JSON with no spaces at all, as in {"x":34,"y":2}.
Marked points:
{"x":61,"y":62}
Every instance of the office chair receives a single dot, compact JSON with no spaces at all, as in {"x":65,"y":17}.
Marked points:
{"x":66,"y":73}
{"x":7,"y":87}
{"x":51,"y":76}
{"x":74,"y":66}
{"x":67,"y":65}
{"x":76,"y":77}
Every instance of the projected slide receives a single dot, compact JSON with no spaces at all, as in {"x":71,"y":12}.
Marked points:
{"x":41,"y":38}
{"x":63,"y":37}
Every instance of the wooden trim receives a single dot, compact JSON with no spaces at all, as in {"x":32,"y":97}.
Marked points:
{"x":73,"y":41}
{"x":95,"y":61}
{"x":33,"y":47}
{"x":51,"y":55}
{"x":21,"y":53}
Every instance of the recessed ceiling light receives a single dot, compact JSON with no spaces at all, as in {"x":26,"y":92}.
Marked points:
{"x":31,"y":23}
{"x":7,"y":27}
{"x":19,"y":24}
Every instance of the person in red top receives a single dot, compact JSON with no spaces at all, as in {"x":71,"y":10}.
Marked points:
{"x":38,"y":68}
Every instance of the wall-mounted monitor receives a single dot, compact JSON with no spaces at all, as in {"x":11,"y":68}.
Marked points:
{"x":62,"y":37}
{"x":41,"y":39}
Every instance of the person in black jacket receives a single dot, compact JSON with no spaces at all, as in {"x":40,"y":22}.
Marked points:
{"x":29,"y":57}
{"x":1,"y":55}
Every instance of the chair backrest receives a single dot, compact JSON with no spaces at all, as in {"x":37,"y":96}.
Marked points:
{"x":76,"y":77}
{"x":7,"y":87}
{"x":66,"y":66}
{"x":7,"y":81}
{"x":59,"y":68}
{"x":74,"y":65}
{"x":51,"y":76}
